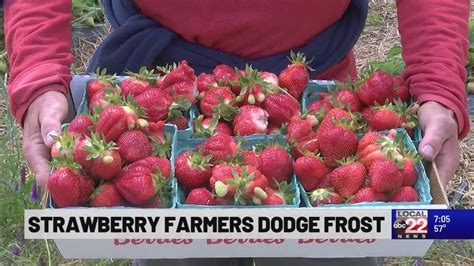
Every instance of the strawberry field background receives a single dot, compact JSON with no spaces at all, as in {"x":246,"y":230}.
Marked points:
{"x":377,"y":47}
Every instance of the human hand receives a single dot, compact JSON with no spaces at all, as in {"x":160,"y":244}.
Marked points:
{"x":440,"y":142}
{"x":43,"y":119}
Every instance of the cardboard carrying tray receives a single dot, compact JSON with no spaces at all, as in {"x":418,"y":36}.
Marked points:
{"x":315,"y":248}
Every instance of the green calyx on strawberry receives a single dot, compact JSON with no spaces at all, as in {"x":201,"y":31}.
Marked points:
{"x":163,"y":188}
{"x":100,"y":82}
{"x":161,"y":147}
{"x":64,"y":144}
{"x":254,"y":88}
{"x":247,"y":183}
{"x":225,"y":111}
{"x":324,"y":196}
{"x":102,"y":99}
{"x":283,"y":194}
{"x":144,"y":75}
{"x":393,"y":115}
{"x":167,"y":68}
{"x":295,"y":76}
{"x":105,"y":160}
{"x":201,"y":131}
{"x":178,"y":107}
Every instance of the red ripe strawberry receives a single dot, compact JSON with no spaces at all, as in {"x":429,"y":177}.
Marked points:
{"x":385,"y":176}
{"x":200,"y":196}
{"x":370,"y":137}
{"x":295,"y":76}
{"x":281,"y":108}
{"x":81,"y":125}
{"x":320,"y":105}
{"x":220,"y":128}
{"x":251,"y":183}
{"x":284,"y":194}
{"x":104,"y":98}
{"x":105,"y":160}
{"x":250,"y":120}
{"x":66,"y":184}
{"x":348,"y":178}
{"x":348,"y":97}
{"x":81,"y":153}
{"x":404,"y":194}
{"x":106,"y":195}
{"x":220,"y":147}
{"x":250,"y":158}
{"x":156,"y":104}
{"x":208,"y":127}
{"x":384,"y":117}
{"x":193,"y":169}
{"x":100,"y":82}
{"x":64,"y":144}
{"x":181,"y":122}
{"x":270,"y":78}
{"x":150,"y":164}
{"x":324,"y":196}
{"x":324,"y":182}
{"x":155,"y":130}
{"x":181,"y":83}
{"x":368,"y":194}
{"x":337,"y":138}
{"x":221,"y":174}
{"x":408,"y":171}
{"x":275,"y":163}
{"x":224,"y":73}
{"x":139,"y":187}
{"x":400,"y":90}
{"x":86,"y":187}
{"x":310,"y":170}
{"x":138,"y":83}
{"x":205,"y":82}
{"x":376,"y":88}
{"x":220,"y":101}
{"x":114,"y":120}
{"x":301,"y":128}
{"x":366,"y":113}
{"x":134,"y":145}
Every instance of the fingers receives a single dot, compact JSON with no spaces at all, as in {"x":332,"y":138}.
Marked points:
{"x":447,"y":160}
{"x":50,"y":118}
{"x":436,"y":133}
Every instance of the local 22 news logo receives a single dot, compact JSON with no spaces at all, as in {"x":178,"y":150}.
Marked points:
{"x":411,"y":224}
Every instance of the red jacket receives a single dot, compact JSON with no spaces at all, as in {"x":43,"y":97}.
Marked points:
{"x":434,"y":39}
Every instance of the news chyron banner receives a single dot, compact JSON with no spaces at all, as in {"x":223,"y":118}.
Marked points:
{"x":298,"y":223}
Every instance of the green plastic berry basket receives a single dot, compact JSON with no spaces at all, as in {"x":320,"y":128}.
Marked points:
{"x":316,"y":87}
{"x":422,"y":185}
{"x":247,"y":142}
{"x":171,"y":134}
{"x":78,"y":89}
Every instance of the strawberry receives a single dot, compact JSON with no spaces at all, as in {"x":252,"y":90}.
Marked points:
{"x":223,"y":74}
{"x":133,"y":145}
{"x":221,"y":147}
{"x":207,"y":127}
{"x":66,"y":184}
{"x":151,"y":163}
{"x":138,"y":83}
{"x":383,"y":117}
{"x":275,"y":163}
{"x":400,"y":90}
{"x":105,"y":160}
{"x":310,"y":170}
{"x":348,"y":178}
{"x":200,"y":196}
{"x":324,"y":182}
{"x":193,"y":169}
{"x":106,"y":195}
{"x":337,"y":138}
{"x":81,"y":125}
{"x":320,"y":105}
{"x":114,"y":120}
{"x":250,"y":158}
{"x":301,"y":134}
{"x":100,"y":82}
{"x":219,"y":101}
{"x":221,"y":174}
{"x":104,"y":98}
{"x":284,"y":194}
{"x":254,"y":88}
{"x":347,"y":97}
{"x":281,"y":108}
{"x":204,"y":83}
{"x":383,"y":148}
{"x":180,"y":82}
{"x":324,"y":196}
{"x":63,"y":145}
{"x":181,"y":122}
{"x":376,"y":89}
{"x":385,"y":176}
{"x":155,"y":130}
{"x":369,"y":138}
{"x":295,"y":76}
{"x":404,"y":194}
{"x":81,"y":153}
{"x":156,"y":104}
{"x":368,"y":194}
{"x":270,"y":78}
{"x":140,"y":187}
{"x":86,"y":187}
{"x":250,"y":120}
